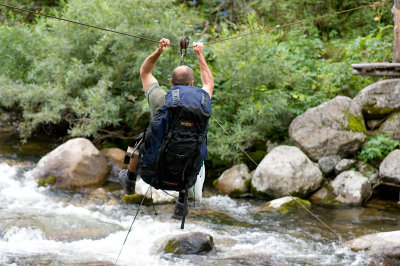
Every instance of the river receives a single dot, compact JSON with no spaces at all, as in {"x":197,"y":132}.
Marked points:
{"x":39,"y":226}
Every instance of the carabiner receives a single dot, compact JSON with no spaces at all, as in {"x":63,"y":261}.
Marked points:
{"x":184,"y":46}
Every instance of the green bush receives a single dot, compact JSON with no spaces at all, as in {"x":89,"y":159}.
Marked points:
{"x":377,"y":148}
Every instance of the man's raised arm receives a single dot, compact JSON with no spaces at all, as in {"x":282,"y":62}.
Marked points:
{"x":205,"y":72}
{"x":150,"y":62}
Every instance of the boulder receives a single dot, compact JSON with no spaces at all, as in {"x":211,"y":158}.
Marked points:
{"x":368,"y":171}
{"x":386,"y":243}
{"x":379,"y":99}
{"x":153,"y":196}
{"x":76,"y":164}
{"x":349,"y":188}
{"x":283,"y":205}
{"x":389,"y":170}
{"x":334,"y":128}
{"x":286,"y":169}
{"x":392,"y":127}
{"x":115,"y":157}
{"x":344,"y":165}
{"x":234,"y":181}
{"x":327,"y":164}
{"x":191,"y":243}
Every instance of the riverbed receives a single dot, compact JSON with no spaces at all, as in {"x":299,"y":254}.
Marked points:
{"x":40,"y":226}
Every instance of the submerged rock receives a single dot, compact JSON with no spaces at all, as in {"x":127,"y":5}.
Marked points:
{"x":191,"y":243}
{"x":93,"y":263}
{"x":379,"y":99}
{"x":76,"y":164}
{"x":327,"y":164}
{"x":387,"y":243}
{"x":286,"y":169}
{"x":234,"y":181}
{"x":333,"y":128}
{"x":389,"y":170}
{"x":283,"y":205}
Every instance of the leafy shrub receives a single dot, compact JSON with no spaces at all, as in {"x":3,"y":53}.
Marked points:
{"x":377,"y":148}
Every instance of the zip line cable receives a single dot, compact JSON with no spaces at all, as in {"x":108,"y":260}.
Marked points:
{"x":287,"y":192}
{"x":207,"y":43}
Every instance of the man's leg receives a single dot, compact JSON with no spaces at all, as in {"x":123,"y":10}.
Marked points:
{"x":127,"y":177}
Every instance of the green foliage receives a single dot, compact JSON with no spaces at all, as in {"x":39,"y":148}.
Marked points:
{"x":377,"y":148}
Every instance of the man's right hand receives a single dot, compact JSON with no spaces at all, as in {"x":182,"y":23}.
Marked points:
{"x":163,"y":44}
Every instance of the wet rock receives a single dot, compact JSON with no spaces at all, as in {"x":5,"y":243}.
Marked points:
{"x":234,"y":181}
{"x":392,"y":127}
{"x":327,"y":164}
{"x":283,"y":205}
{"x":320,"y":196}
{"x":255,"y":259}
{"x":115,"y":157}
{"x":333,"y":128}
{"x":191,"y":243}
{"x":349,"y":188}
{"x":95,"y":263}
{"x":368,"y":171}
{"x":387,"y":243}
{"x":216,"y":217}
{"x":286,"y":169}
{"x":389,"y":170}
{"x":153,"y":196}
{"x":344,"y":165}
{"x":379,"y":99}
{"x":76,"y":164}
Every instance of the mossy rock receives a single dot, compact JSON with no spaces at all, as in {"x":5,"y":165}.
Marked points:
{"x":191,"y":243}
{"x":135,"y":199}
{"x":284,"y":205}
{"x":48,"y":181}
{"x":355,"y":123}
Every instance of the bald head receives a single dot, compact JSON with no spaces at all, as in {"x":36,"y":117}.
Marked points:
{"x":182,"y":75}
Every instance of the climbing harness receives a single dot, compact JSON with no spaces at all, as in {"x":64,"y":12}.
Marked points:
{"x":184,"y":44}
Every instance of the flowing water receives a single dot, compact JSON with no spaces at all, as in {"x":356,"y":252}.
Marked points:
{"x":39,"y":226}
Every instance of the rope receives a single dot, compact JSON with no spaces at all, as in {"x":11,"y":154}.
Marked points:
{"x":287,"y":192}
{"x":134,"y":219}
{"x":208,"y":43}
{"x":82,"y":24}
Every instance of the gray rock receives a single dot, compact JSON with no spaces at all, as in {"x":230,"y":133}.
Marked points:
{"x":328,"y":163}
{"x":333,"y":128}
{"x":286,"y":169}
{"x":368,"y":171}
{"x":350,"y":188}
{"x":76,"y":164}
{"x":387,"y":244}
{"x":389,"y":170}
{"x":379,"y":99}
{"x":392,"y":127}
{"x":232,"y":182}
{"x":115,"y":157}
{"x":373,"y":124}
{"x":344,"y":165}
{"x":191,"y":243}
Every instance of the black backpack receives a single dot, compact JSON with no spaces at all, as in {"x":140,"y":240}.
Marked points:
{"x":174,"y":146}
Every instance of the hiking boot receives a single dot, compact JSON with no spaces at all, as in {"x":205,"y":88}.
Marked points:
{"x":180,"y":210}
{"x":127,"y":183}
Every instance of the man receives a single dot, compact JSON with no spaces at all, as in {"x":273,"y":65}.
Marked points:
{"x":182,"y":75}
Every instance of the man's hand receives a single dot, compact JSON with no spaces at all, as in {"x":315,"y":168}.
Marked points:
{"x":198,"y":48}
{"x":150,"y":62}
{"x":163,"y":44}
